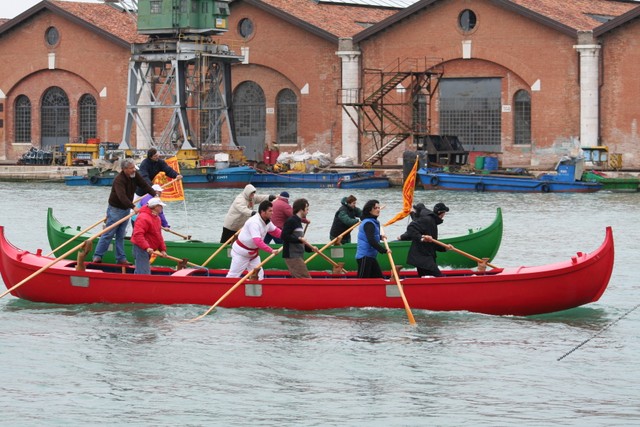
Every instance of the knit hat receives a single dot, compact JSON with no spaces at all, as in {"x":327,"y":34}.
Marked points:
{"x":284,"y":194}
{"x":439,"y":208}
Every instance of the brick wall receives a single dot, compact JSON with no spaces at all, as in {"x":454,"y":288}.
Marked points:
{"x":620,"y":91}
{"x":285,"y":56}
{"x":85,"y":62}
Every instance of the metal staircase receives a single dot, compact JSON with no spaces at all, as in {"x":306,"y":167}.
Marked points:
{"x":392,"y":105}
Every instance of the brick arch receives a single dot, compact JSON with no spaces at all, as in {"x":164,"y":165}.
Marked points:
{"x":471,"y":67}
{"x":34,"y":86}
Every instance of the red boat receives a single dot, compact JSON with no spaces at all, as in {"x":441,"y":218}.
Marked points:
{"x":500,"y":291}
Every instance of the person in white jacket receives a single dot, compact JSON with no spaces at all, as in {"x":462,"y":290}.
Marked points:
{"x":245,"y":250}
{"x":241,"y":210}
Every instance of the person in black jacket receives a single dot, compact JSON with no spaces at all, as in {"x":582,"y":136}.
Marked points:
{"x":120,"y":205}
{"x":152,"y":166}
{"x":294,"y":244}
{"x":421,"y":231}
{"x":346,"y":216}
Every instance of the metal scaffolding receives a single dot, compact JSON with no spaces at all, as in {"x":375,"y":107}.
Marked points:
{"x":170,"y":79}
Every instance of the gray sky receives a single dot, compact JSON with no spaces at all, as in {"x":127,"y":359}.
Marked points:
{"x":13,"y":8}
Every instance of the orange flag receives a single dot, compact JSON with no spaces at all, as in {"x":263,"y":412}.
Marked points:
{"x":173,"y":192}
{"x":407,"y":194}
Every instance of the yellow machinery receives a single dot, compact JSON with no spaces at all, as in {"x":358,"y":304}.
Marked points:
{"x":81,"y":154}
{"x":188,"y":158}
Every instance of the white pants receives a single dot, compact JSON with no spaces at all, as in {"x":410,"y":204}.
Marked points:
{"x":241,"y":260}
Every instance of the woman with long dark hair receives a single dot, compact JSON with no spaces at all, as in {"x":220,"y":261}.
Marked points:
{"x":369,"y":241}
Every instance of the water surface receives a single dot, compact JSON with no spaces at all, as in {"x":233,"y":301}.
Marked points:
{"x":141,"y":365}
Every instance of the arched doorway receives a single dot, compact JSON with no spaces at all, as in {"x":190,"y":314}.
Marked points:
{"x":249,"y":108}
{"x":55,"y":117}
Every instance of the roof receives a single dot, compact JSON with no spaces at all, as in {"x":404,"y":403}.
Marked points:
{"x":397,"y":4}
{"x":577,"y":14}
{"x":617,"y":22}
{"x":334,"y":19}
{"x":114,"y":24}
{"x":568,"y":17}
{"x":328,"y":20}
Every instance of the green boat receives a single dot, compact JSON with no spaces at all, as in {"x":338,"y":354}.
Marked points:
{"x":628,"y":184}
{"x":481,"y":243}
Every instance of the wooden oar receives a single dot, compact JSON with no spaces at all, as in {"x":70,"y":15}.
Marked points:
{"x":77,"y":235}
{"x":229,"y":240}
{"x":476,"y":259}
{"x":332,"y":242}
{"x":55,"y":261}
{"x":91,"y":227}
{"x":397,"y":279}
{"x":337,"y":266}
{"x":178,"y":260}
{"x":238,"y":283}
{"x":184,"y":236}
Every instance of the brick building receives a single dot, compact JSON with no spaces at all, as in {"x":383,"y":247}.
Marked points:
{"x":531,"y":80}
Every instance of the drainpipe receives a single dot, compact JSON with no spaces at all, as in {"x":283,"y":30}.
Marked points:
{"x":589,"y":95}
{"x":350,"y":85}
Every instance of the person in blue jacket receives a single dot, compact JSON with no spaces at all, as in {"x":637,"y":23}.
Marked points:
{"x":152,"y":166}
{"x":369,"y":242}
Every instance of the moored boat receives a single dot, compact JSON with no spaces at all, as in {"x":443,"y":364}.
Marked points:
{"x":493,"y":182}
{"x":482,"y":243}
{"x":501,"y":291}
{"x":566,"y":179}
{"x":625,"y":184}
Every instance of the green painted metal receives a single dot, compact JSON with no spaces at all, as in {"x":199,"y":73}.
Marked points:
{"x":172,"y":17}
{"x":627,"y":184}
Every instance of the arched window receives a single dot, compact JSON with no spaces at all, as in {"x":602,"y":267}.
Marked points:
{"x":87,"y":110}
{"x":522,"y":118}
{"x":54,"y":115}
{"x":287,"y":117}
{"x":249,"y":113}
{"x":22,"y":119}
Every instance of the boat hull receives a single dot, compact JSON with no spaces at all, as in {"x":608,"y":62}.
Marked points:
{"x":210,"y":177}
{"x":360,"y":180}
{"x":202,"y":177}
{"x":492,"y":183}
{"x":482,"y":243}
{"x":365,"y":183}
{"x":510,"y":291}
{"x":98,"y":181}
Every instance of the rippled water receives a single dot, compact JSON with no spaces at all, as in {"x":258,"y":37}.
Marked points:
{"x":141,"y":365}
